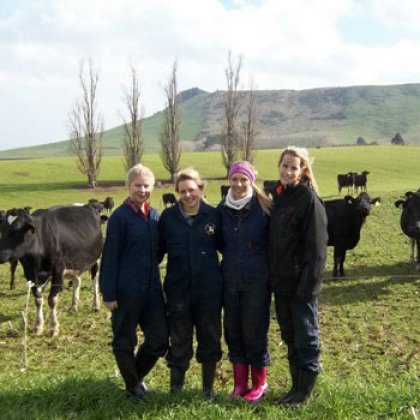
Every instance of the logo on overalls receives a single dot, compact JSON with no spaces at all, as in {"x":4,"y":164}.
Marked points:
{"x":210,"y":228}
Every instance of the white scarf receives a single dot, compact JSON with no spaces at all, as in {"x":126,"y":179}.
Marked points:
{"x":241,"y":202}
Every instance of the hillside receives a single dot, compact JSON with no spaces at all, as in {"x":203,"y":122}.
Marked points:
{"x":314,"y":117}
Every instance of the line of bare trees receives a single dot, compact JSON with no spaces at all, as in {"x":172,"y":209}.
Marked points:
{"x":238,"y":140}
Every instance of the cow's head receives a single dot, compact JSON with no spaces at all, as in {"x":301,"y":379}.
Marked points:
{"x":362,"y":203}
{"x":410,"y":217}
{"x":17,"y":233}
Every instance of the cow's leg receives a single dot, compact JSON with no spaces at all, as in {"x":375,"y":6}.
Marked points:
{"x":342,"y":258}
{"x":76,"y":281}
{"x":335,"y":262}
{"x":56,"y":287}
{"x":39,"y":323}
{"x":418,"y":254}
{"x":13,"y":266}
{"x":94,"y":272}
{"x":412,"y":245}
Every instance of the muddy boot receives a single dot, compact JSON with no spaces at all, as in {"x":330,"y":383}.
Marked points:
{"x":144,"y":364}
{"x":294,"y":373}
{"x":208,"y":374}
{"x":306,"y":384}
{"x":127,"y":366}
{"x":177,"y":378}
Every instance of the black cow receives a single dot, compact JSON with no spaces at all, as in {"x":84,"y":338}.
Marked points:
{"x":55,"y":242}
{"x":269,"y":185}
{"x":360,"y":181}
{"x":410,"y":221}
{"x":224,"y":190}
{"x":108,"y":204}
{"x":345,"y":219}
{"x":346,"y":181}
{"x":168,"y":199}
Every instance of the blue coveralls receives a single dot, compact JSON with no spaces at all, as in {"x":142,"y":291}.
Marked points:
{"x":130,"y":275}
{"x":246,"y":300}
{"x":193,"y":285}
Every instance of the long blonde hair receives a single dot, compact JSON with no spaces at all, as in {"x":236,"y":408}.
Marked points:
{"x":305,"y":164}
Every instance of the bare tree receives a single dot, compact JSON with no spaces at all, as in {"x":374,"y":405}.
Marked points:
{"x":249,"y":127}
{"x":169,"y":137}
{"x":230,"y":139}
{"x":86,"y":126}
{"x":133,"y":146}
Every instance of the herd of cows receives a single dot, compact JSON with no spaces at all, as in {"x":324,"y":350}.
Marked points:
{"x":67,"y":240}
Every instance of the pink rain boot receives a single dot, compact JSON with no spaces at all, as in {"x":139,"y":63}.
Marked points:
{"x":240,"y":381}
{"x":259,"y":385}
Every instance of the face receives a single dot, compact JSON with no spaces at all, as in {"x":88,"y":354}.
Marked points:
{"x":239,"y":183}
{"x":190,"y":195}
{"x":141,"y":189}
{"x":289,"y":170}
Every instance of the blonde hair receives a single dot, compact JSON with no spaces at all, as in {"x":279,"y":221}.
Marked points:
{"x":305,"y":164}
{"x":139,"y":170}
{"x":188,"y":174}
{"x":265,"y":202}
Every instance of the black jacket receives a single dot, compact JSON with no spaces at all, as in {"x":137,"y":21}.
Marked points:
{"x":298,"y":242}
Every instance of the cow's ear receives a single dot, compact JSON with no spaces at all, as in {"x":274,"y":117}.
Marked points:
{"x":400,"y":203}
{"x":408,"y":194}
{"x":104,"y":219}
{"x":376,"y":201}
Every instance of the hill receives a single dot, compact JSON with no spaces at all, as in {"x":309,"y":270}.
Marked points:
{"x":313,"y":117}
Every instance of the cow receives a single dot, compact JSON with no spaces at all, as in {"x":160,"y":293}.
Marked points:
{"x":346,"y":181}
{"x":53,"y":243}
{"x":269,"y":185}
{"x":13,"y":262}
{"x":360,"y":181}
{"x":410,"y":221}
{"x":168,"y":199}
{"x":108,"y":204}
{"x":345,"y":219}
{"x":224,"y":190}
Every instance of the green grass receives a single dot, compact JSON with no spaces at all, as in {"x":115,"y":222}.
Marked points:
{"x":369,"y":321}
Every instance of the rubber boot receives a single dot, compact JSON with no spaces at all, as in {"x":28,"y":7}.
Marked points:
{"x":306,"y":384}
{"x":240,"y":381}
{"x":259,"y":385}
{"x":177,"y":378}
{"x":127,"y":366}
{"x":144,"y":364}
{"x":294,"y":373}
{"x":208,"y":373}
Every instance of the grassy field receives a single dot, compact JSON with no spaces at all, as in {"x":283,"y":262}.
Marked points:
{"x":369,"y":321}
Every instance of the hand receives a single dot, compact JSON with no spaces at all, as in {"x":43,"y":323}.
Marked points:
{"x":112,"y":305}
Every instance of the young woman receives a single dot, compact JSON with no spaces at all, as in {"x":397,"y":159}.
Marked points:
{"x":298,"y":248}
{"x":130,"y":282}
{"x":193,"y":282}
{"x":244,"y":220}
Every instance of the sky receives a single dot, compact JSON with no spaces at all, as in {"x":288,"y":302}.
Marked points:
{"x":299,"y":44}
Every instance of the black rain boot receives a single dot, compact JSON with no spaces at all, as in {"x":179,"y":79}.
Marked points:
{"x":294,"y":373}
{"x":306,"y":383}
{"x":208,"y":373}
{"x":144,"y":364}
{"x":177,"y":378}
{"x":127,"y":366}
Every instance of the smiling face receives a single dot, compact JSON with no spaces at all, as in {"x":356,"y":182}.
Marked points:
{"x":140,"y":190}
{"x":239,"y":184}
{"x":290,"y":171}
{"x":190,"y":195}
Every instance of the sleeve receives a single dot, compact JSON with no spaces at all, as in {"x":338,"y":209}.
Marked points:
{"x":162,"y":237}
{"x":110,"y":262}
{"x":315,"y":238}
{"x":219,"y":229}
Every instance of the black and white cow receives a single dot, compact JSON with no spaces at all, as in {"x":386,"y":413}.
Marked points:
{"x":410,"y":221}
{"x":52,"y":243}
{"x":224,"y":191}
{"x":345,"y":219}
{"x":13,"y":262}
{"x":346,"y":181}
{"x":168,"y":199}
{"x":108,"y":204}
{"x":360,"y":181}
{"x":269,"y":185}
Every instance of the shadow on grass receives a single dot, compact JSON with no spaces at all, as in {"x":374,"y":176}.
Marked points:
{"x":342,"y":292}
{"x":102,"y":398}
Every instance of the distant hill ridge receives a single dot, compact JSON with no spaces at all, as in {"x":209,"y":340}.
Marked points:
{"x":312,"y":117}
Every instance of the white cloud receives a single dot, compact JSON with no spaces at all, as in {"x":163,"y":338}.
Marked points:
{"x":285,"y":45}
